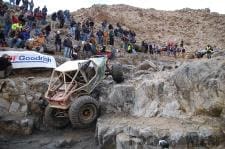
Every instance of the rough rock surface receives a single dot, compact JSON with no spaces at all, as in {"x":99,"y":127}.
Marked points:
{"x":182,"y":103}
{"x":194,"y":88}
{"x":191,"y":94}
{"x":130,"y":132}
{"x":21,"y":104}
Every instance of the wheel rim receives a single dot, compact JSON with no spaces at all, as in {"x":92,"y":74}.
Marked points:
{"x":87,"y":113}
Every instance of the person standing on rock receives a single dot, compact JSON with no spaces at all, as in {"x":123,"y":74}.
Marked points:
{"x":12,"y":2}
{"x":87,"y":50}
{"x":209,"y":51}
{"x":18,"y":2}
{"x":31,"y":5}
{"x":53,"y":20}
{"x":100,"y":37}
{"x":77,"y":31}
{"x":111,"y":37}
{"x":182,"y":44}
{"x":68,"y":46}
{"x":5,"y":66}
{"x":58,"y":42}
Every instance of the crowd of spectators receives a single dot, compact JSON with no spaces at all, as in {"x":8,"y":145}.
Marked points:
{"x":24,"y":26}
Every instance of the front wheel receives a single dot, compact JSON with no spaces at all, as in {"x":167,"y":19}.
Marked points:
{"x":84,"y":112}
{"x":57,"y":118}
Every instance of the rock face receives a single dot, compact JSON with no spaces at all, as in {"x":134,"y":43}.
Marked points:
{"x":192,"y":89}
{"x":132,"y":132}
{"x":191,"y":94}
{"x":20,"y":104}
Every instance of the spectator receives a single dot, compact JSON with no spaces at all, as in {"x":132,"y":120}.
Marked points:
{"x":12,"y":2}
{"x":150,"y":48}
{"x":58,"y":42}
{"x":104,"y":25}
{"x":92,"y":25}
{"x":93,"y":44}
{"x":23,"y":36}
{"x":2,"y":39}
{"x":8,"y":23}
{"x":144,"y":46}
{"x":87,"y":50}
{"x":209,"y":51}
{"x":182,"y":44}
{"x":53,"y":20}
{"x":25,"y":5}
{"x":111,"y":37}
{"x":47,"y":31}
{"x":72,"y":30}
{"x":61,"y":18}
{"x":68,"y":46}
{"x":67,"y":17}
{"x":77,"y":32}
{"x":5,"y":66}
{"x":31,"y":5}
{"x":44,"y":12}
{"x":18,"y":2}
{"x":100,"y":37}
{"x":14,"y":38}
{"x":105,"y":37}
{"x":38,"y":42}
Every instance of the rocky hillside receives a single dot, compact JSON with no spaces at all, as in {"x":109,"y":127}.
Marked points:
{"x":196,"y":27}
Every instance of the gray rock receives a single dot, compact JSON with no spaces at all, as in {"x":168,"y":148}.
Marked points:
{"x":4,"y":107}
{"x":24,"y":108}
{"x":121,"y":130}
{"x":22,"y":99}
{"x":64,"y":143}
{"x":124,"y":141}
{"x":10,"y":87}
{"x":6,"y":96}
{"x":14,"y":107}
{"x":146,"y":65}
{"x":27,"y":122}
{"x":29,"y":98}
{"x":121,"y":97}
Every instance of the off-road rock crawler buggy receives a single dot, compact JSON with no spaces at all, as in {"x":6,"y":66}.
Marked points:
{"x":69,"y":92}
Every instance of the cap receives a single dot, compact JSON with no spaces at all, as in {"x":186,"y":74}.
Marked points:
{"x":5,"y":55}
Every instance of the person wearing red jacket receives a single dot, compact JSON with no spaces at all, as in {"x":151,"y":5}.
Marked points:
{"x":15,"y":19}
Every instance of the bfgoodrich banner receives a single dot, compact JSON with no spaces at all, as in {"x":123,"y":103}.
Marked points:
{"x":30,"y":59}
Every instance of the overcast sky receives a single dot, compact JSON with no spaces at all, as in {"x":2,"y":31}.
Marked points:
{"x":72,"y":5}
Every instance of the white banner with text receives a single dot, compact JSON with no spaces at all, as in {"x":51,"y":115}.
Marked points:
{"x":30,"y":59}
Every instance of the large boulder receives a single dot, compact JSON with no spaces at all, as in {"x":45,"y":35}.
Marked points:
{"x":195,"y":88}
{"x":200,"y":87}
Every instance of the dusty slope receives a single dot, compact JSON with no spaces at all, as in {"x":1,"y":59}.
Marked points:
{"x":196,"y":27}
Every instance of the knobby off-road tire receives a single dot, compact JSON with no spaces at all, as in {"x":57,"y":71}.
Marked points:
{"x":52,"y":118}
{"x":84,"y":112}
{"x":117,"y":73}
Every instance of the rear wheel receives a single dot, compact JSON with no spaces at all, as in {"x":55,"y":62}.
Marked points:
{"x":57,"y":118}
{"x":117,"y":73}
{"x":84,"y":112}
